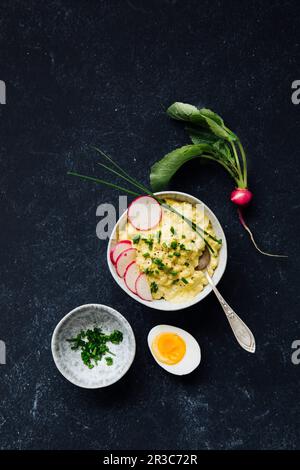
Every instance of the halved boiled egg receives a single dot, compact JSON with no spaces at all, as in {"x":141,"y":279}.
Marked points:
{"x":174,"y":349}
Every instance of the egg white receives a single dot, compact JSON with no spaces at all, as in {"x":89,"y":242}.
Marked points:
{"x":192,"y":357}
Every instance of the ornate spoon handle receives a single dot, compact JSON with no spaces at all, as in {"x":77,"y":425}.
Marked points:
{"x":241,"y":331}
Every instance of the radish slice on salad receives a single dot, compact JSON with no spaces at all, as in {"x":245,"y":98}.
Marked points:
{"x":131,"y":274}
{"x":117,"y":250}
{"x":144,"y":213}
{"x":142,"y":287}
{"x":124,"y":260}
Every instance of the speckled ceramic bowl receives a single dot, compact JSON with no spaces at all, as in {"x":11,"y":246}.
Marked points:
{"x":69,"y":362}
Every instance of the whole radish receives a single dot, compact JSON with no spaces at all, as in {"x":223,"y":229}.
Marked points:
{"x":242,"y":197}
{"x":211,"y":140}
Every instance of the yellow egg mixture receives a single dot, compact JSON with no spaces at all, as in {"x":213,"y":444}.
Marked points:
{"x":169,"y":253}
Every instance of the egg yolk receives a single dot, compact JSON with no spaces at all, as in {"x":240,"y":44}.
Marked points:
{"x":169,"y":348}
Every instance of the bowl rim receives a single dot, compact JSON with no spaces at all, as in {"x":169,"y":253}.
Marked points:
{"x":170,"y":305}
{"x":111,"y":311}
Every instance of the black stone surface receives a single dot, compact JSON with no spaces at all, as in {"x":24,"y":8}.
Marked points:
{"x":101,"y":73}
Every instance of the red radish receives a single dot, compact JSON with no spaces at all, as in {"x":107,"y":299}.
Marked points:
{"x":117,"y":250}
{"x":124,"y":259}
{"x":142,"y":288}
{"x":241,"y":196}
{"x":144,"y":213}
{"x":131,"y":274}
{"x":111,"y":256}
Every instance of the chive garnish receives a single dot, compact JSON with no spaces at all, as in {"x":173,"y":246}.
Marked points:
{"x":93,"y":345}
{"x":136,"y":239}
{"x":153,"y":287}
{"x":149,"y":242}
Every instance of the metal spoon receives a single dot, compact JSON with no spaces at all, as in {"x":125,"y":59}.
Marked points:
{"x":241,"y":331}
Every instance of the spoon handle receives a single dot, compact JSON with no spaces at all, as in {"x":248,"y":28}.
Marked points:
{"x":241,"y":331}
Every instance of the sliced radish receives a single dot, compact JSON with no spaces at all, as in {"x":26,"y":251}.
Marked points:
{"x":117,"y":250}
{"x":111,"y":255}
{"x":142,"y":287}
{"x":124,"y":260}
{"x":131,"y":274}
{"x":144,"y":213}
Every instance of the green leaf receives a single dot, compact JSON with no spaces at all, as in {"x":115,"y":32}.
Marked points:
{"x":201,"y":117}
{"x":222,"y":149}
{"x":182,"y":111}
{"x":212,"y":115}
{"x":201,"y":136}
{"x":163,"y":170}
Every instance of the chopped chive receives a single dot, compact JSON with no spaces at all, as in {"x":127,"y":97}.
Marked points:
{"x":158,"y":235}
{"x":93,"y":345}
{"x":153,"y":287}
{"x":172,"y":229}
{"x":148,"y":271}
{"x":184,"y":280}
{"x":146,"y":255}
{"x":158,"y":262}
{"x":136,"y":239}
{"x":149,"y":242}
{"x":174,"y":245}
{"x":176,"y":253}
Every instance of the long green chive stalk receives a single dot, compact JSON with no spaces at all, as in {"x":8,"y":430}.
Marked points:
{"x":125,"y":176}
{"x":131,"y":180}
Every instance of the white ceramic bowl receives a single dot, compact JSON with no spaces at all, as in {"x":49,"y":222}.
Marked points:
{"x":218,"y":273}
{"x":69,"y":362}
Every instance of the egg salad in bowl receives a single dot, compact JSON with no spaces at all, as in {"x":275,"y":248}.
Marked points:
{"x":155,"y":259}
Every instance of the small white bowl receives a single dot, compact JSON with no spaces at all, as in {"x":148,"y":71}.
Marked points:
{"x":69,"y":362}
{"x":218,"y":273}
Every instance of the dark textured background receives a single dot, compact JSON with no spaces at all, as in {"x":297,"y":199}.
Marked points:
{"x":102,"y":72}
